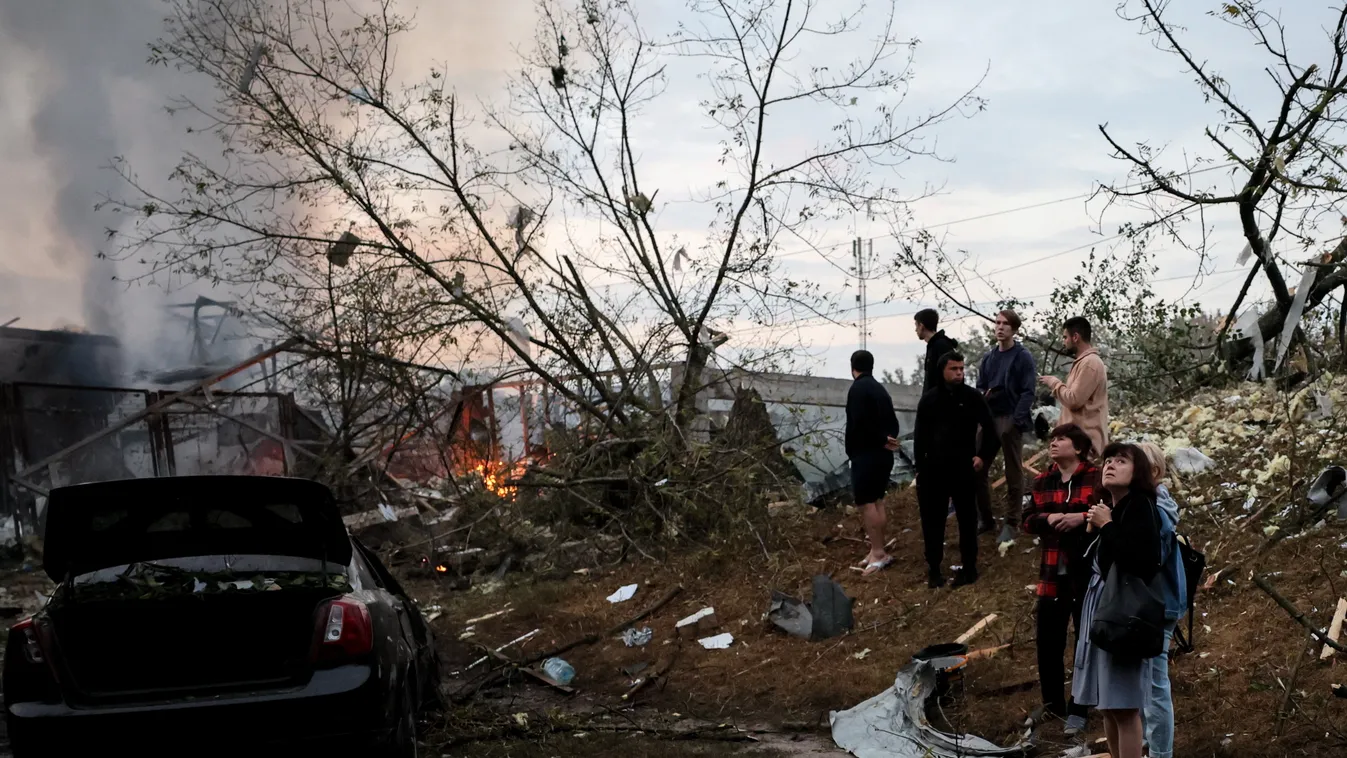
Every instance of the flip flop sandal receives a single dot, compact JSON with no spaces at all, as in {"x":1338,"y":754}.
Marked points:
{"x":877,"y":566}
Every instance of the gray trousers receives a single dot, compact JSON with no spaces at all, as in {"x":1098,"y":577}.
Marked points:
{"x":1012,"y":449}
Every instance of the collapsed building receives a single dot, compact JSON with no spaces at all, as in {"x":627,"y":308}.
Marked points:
{"x":68,"y":416}
{"x":501,"y":426}
{"x":65,"y":419}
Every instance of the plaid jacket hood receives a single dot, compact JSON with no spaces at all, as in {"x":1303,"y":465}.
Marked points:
{"x":1061,"y":549}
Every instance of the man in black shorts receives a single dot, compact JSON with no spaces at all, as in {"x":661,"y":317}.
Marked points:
{"x":872,"y":436}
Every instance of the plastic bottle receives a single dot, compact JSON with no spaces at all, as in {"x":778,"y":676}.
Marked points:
{"x":559,"y":671}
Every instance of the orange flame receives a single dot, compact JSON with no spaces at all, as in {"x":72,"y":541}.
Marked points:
{"x":442,"y":569}
{"x":498,"y":478}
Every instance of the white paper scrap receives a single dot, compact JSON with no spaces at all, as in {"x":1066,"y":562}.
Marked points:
{"x":624,"y":594}
{"x":718,"y":642}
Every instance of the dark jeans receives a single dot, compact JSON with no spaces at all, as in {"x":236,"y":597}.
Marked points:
{"x":1053,"y":615}
{"x":935,"y":490}
{"x":1012,"y":452}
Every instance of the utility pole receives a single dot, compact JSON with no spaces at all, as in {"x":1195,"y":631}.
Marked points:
{"x":862,"y":309}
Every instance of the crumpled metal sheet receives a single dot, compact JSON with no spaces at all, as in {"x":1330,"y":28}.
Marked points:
{"x":893,"y":724}
{"x":790,"y":616}
{"x":1293,"y":315}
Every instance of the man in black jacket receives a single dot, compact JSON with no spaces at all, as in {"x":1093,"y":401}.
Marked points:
{"x":949,"y":455}
{"x":937,"y":344}
{"x":871,"y":437}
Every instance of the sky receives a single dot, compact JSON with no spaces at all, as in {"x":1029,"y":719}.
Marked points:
{"x":77,"y":91}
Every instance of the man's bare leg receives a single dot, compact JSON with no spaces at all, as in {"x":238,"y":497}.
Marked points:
{"x":874,"y":517}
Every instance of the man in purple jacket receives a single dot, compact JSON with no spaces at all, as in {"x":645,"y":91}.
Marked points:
{"x":1006,"y":378}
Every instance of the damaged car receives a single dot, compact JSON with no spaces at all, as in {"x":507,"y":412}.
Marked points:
{"x":215,"y":611}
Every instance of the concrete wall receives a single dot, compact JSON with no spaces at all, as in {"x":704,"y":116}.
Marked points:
{"x":812,"y":390}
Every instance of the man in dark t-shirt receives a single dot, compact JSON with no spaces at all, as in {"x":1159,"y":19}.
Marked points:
{"x":871,"y":438}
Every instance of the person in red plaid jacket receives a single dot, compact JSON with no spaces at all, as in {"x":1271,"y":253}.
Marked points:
{"x":1061,"y":496}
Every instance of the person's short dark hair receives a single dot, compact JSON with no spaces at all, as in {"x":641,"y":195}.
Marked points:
{"x":863,"y":361}
{"x":1142,"y":480}
{"x":944,"y":360}
{"x":1079,"y":326}
{"x":928,"y":318}
{"x":1011,"y":318}
{"x":1079,"y":439}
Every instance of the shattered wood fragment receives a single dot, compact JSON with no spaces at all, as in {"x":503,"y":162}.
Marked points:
{"x":1335,"y":628}
{"x":976,"y":629}
{"x":509,"y":644}
{"x":987,"y":652}
{"x":693,"y":626}
{"x":661,"y":668}
{"x":489,"y":616}
{"x":547,"y":680}
{"x":1028,"y":466}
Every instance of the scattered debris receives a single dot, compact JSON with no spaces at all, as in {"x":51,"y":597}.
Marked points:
{"x":1328,"y":489}
{"x":831,"y":609}
{"x":433,"y":612}
{"x":638,"y":637}
{"x":635,"y":669}
{"x":790,"y":616}
{"x":547,"y":680}
{"x":828,"y":614}
{"x":1340,"y":690}
{"x":250,"y":70}
{"x":623,"y":594}
{"x":1189,"y":461}
{"x":559,"y":671}
{"x":718,"y":642}
{"x":976,"y":629}
{"x":862,"y":655}
{"x":790,"y":509}
{"x":1335,"y":628}
{"x":381,"y":515}
{"x":339,"y":252}
{"x":987,"y":652}
{"x":702,"y":621}
{"x":489,"y":616}
{"x":509,"y":644}
{"x":660,"y":670}
{"x":893,"y":724}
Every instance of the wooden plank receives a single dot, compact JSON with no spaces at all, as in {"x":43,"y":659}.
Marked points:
{"x":986,"y":652}
{"x":976,"y":628}
{"x":1335,"y":628}
{"x":1028,"y":466}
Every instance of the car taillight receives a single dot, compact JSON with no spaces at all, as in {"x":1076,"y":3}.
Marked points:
{"x":344,"y":631}
{"x":32,"y":644}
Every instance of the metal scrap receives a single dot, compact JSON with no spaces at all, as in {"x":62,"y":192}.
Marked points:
{"x":893,"y":724}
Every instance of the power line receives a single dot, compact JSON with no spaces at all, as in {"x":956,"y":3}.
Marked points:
{"x":1006,"y":211}
{"x":830,"y":317}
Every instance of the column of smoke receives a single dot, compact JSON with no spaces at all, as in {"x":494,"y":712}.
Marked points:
{"x":96,"y":98}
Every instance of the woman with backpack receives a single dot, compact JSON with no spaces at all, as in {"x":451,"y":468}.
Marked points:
{"x":1158,"y":715}
{"x":1127,"y":540}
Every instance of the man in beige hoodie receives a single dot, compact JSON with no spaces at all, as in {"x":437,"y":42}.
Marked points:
{"x":1083,"y":397}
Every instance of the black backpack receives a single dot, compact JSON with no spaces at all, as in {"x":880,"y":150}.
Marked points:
{"x":1194,"y":563}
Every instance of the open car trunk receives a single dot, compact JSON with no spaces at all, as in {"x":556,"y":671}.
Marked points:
{"x":190,"y":584}
{"x":133,"y":648}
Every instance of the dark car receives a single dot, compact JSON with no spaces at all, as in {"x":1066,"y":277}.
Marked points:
{"x":215,"y":613}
